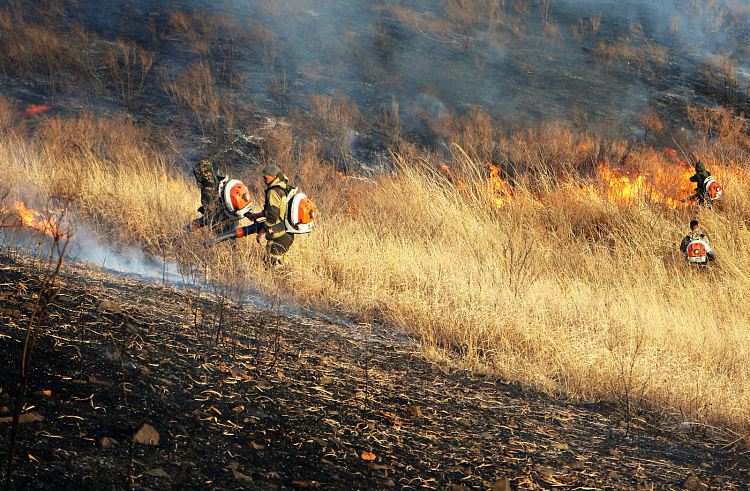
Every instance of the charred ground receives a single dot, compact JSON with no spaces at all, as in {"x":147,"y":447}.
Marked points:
{"x":253,"y":398}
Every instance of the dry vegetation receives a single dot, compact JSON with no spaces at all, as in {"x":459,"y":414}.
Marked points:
{"x":580,"y":296}
{"x":564,"y":288}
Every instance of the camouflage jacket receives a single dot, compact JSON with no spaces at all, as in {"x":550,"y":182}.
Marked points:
{"x":274,"y":208}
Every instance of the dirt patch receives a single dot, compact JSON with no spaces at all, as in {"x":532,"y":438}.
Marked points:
{"x":283,"y":401}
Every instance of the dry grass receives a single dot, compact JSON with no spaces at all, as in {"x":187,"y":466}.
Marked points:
{"x":581,"y":296}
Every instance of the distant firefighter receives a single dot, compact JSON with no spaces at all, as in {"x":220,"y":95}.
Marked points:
{"x":695,"y":246}
{"x":707,"y":190}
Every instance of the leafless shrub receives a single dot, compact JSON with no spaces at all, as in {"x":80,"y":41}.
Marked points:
{"x":596,"y":22}
{"x":719,"y":76}
{"x":652,"y":123}
{"x":339,"y":121}
{"x":128,"y":66}
{"x":545,"y":9}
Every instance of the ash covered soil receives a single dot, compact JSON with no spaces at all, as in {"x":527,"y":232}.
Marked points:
{"x":254,"y":399}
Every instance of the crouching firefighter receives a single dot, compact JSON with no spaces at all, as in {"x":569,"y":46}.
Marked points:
{"x":224,"y":201}
{"x":695,"y":246}
{"x":286,"y":212}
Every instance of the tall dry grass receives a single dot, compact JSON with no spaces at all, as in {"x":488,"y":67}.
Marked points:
{"x":562,"y":289}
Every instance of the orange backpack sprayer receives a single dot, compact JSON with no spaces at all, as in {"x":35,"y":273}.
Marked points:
{"x":300,"y":219}
{"x":697,"y":252}
{"x":713,"y":189}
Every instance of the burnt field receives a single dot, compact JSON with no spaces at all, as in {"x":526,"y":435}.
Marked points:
{"x":219,"y":397}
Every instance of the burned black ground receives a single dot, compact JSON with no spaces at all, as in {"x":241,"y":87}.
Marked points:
{"x":272,"y":400}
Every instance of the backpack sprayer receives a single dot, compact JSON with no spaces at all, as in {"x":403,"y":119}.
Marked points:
{"x":300,"y":218}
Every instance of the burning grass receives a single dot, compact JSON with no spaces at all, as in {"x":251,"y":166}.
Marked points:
{"x":573,"y":285}
{"x":562,"y":273}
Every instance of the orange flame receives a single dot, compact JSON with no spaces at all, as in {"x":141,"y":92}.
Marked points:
{"x":36,"y":109}
{"x":445,"y":169}
{"x":342,"y":176}
{"x":173,"y":186}
{"x":622,"y":187}
{"x":499,"y":189}
{"x":34,"y":220}
{"x":614,"y":185}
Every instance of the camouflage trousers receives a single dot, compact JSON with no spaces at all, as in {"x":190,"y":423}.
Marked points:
{"x":277,"y":248}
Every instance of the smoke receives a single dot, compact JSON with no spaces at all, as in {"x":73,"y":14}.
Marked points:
{"x":612,"y":58}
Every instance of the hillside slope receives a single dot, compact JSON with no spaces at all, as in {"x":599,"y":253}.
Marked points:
{"x":255,"y":398}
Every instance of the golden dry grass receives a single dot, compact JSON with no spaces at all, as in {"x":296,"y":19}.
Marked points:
{"x":580,"y":297}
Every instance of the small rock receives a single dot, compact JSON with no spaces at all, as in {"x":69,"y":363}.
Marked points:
{"x":147,"y":435}
{"x":128,"y":329}
{"x":576,"y":465}
{"x":390,"y":483}
{"x":692,"y":483}
{"x":107,"y":305}
{"x":94,"y":380}
{"x":107,"y":442}
{"x":13,"y":313}
{"x":415,"y":411}
{"x":24,"y":418}
{"x":560,"y":446}
{"x":615,"y":453}
{"x":239,"y":475}
{"x":613,"y":475}
{"x":158,"y":473}
{"x":326,"y":381}
{"x":502,"y":484}
{"x":545,"y":472}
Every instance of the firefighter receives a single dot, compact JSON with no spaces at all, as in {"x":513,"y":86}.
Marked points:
{"x":696,"y":235}
{"x":211,"y":207}
{"x":699,"y":178}
{"x":278,"y":241}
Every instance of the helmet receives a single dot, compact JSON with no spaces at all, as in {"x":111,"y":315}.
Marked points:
{"x":236,"y":198}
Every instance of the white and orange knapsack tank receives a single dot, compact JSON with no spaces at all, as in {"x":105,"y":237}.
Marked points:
{"x":236,"y":198}
{"x":300,"y":213}
{"x":713,"y":188}
{"x":697,"y":252}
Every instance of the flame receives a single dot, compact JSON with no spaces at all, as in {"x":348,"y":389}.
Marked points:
{"x":445,"y":169}
{"x":615,"y":185}
{"x":499,"y":189}
{"x":36,"y":109}
{"x":623,"y":187}
{"x":173,"y":186}
{"x":342,"y":176}
{"x":34,"y":220}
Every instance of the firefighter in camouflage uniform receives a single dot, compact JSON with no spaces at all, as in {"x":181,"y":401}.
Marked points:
{"x":211,"y":207}
{"x":278,"y":241}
